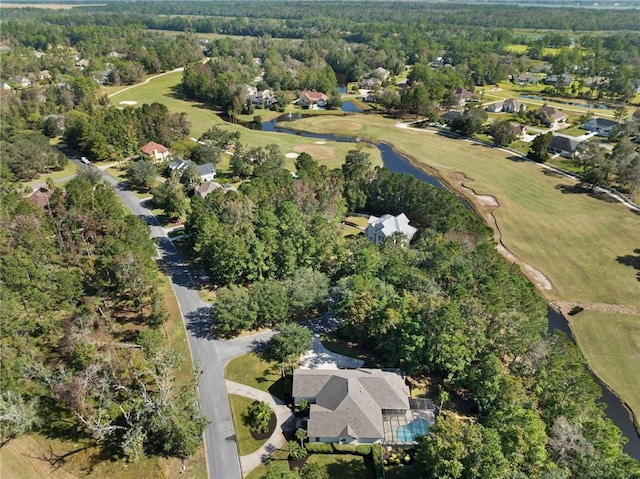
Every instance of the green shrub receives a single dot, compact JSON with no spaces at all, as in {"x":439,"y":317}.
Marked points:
{"x":376,"y":456}
{"x":319,"y":448}
{"x":344,"y":448}
{"x":295,"y":451}
{"x":363,"y":449}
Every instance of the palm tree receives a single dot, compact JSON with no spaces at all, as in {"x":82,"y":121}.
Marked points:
{"x":301,"y":435}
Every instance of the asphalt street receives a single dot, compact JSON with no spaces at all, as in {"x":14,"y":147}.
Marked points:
{"x":223,"y":461}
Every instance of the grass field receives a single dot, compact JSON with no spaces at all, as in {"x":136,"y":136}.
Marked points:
{"x":252,"y":370}
{"x":161,"y":90}
{"x":611,"y":344}
{"x":246,"y":443}
{"x":344,"y":466}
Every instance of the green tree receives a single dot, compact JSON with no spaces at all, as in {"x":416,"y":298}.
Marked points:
{"x":502,"y":133}
{"x":314,"y":471}
{"x":271,"y":302}
{"x":279,"y":470}
{"x":233,"y":312}
{"x":17,"y":416}
{"x":205,"y":153}
{"x":308,"y":292}
{"x":170,"y":197}
{"x":538,"y":150}
{"x":289,"y":342}
{"x":142,"y":174}
{"x":258,"y":416}
{"x":301,"y":435}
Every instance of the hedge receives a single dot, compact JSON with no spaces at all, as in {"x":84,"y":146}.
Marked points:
{"x":319,"y":448}
{"x":376,"y":456}
{"x":344,"y":448}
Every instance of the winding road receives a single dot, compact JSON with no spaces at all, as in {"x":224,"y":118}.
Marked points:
{"x":223,"y":461}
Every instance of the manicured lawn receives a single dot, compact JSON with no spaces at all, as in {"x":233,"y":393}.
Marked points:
{"x":162,"y":90}
{"x":246,"y":443}
{"x":610,"y":343}
{"x":575,"y":131}
{"x":69,"y":170}
{"x":344,"y":466}
{"x":565,"y":164}
{"x":570,"y":235}
{"x":252,"y":370}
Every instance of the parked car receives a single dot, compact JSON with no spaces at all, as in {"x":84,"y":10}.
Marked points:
{"x":85,"y":160}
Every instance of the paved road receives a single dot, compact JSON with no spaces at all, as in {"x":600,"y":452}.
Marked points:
{"x":223,"y":461}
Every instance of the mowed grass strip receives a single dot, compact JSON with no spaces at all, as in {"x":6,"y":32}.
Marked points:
{"x":252,"y":370}
{"x":163,"y":90}
{"x":611,"y":344}
{"x":246,"y":443}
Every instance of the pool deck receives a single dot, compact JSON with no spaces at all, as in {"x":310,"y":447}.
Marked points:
{"x":392,"y":422}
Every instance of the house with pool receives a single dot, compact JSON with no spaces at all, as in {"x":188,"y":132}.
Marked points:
{"x":361,"y":406}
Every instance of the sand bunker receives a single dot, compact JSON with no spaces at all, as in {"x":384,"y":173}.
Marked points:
{"x":128,"y":102}
{"x":320,"y":142}
{"x":292,"y":155}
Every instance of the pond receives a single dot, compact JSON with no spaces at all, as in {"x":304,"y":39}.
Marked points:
{"x":350,"y":107}
{"x":396,"y":162}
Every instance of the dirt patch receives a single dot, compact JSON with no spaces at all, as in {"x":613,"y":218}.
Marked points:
{"x":128,"y":102}
{"x":485,"y":205}
{"x":319,"y":152}
{"x":565,"y":307}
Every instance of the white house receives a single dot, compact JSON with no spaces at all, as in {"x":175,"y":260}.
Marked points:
{"x":380,"y":229}
{"x":600,"y":126}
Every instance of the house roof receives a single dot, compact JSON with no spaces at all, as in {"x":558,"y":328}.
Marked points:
{"x":314,"y":95}
{"x":206,"y":169}
{"x":177,"y":164}
{"x":389,"y":224}
{"x":512,"y":103}
{"x":517,"y":129}
{"x":41,"y":197}
{"x":349,"y":401}
{"x":450,"y":115}
{"x":601,"y":123}
{"x":552,"y":112}
{"x":563,"y":143}
{"x":152,"y":147}
{"x":207,"y":187}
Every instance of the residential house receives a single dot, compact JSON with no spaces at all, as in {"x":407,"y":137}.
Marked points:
{"x":463,"y":96}
{"x":21,"y":81}
{"x":564,"y":80}
{"x":541,"y":68}
{"x":563,"y":146}
{"x":518,"y":130}
{"x":449,"y":116}
{"x":177,"y":165}
{"x":370,"y":83}
{"x":207,"y":187}
{"x":510,"y":105}
{"x":206,"y":172}
{"x":5,"y":85}
{"x":526,"y":78}
{"x":40,"y":197}
{"x":156,"y":151}
{"x":381,"y":73}
{"x":380,"y":229}
{"x":553,"y":115}
{"x":264,"y":98}
{"x":350,"y":405}
{"x":313,"y":99}
{"x":600,"y":126}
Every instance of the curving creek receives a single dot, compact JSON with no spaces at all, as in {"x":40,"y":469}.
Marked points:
{"x":394,"y":161}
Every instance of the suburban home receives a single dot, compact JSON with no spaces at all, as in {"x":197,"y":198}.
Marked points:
{"x":381,"y":73}
{"x":449,"y":116}
{"x":40,"y":197}
{"x":207,"y":172}
{"x":600,"y":126}
{"x":563,"y":146}
{"x":361,"y":406}
{"x":564,"y":80}
{"x":264,"y":98}
{"x":526,"y":78}
{"x":541,"y":68}
{"x":177,"y":165}
{"x":518,"y":130}
{"x":380,"y":229}
{"x":313,"y":99}
{"x":510,"y":105}
{"x":156,"y":151}
{"x":463,"y":96}
{"x":370,"y":83}
{"x":207,"y":187}
{"x":21,"y":81}
{"x":554,"y":115}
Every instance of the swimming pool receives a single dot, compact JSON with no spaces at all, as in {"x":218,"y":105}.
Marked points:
{"x":408,"y":432}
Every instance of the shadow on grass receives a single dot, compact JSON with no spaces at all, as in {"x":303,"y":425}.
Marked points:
{"x":581,"y":188}
{"x":632,"y":260}
{"x":345,"y":469}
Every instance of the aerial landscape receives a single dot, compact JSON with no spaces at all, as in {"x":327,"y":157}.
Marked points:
{"x":285,"y":239}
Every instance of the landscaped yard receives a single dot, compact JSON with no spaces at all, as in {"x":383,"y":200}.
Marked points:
{"x":254,"y":371}
{"x":344,"y":466}
{"x":246,"y":443}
